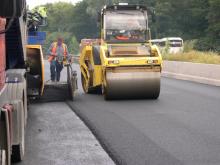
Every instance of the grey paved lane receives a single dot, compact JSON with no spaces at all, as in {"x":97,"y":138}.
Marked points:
{"x":181,"y":127}
{"x":56,"y":136}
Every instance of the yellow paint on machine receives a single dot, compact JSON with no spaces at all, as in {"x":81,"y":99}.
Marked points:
{"x":120,"y":69}
{"x":35,"y":61}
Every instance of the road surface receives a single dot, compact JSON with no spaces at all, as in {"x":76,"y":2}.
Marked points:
{"x":56,"y":136}
{"x":182,"y":127}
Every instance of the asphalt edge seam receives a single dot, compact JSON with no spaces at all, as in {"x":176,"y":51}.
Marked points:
{"x":89,"y":124}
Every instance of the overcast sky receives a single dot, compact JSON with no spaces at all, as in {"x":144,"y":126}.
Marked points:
{"x":33,"y":3}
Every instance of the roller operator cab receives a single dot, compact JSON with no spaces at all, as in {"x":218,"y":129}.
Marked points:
{"x":123,"y":64}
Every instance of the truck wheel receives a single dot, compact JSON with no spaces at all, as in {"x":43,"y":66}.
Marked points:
{"x":98,"y":90}
{"x":18,"y":150}
{"x":90,"y":90}
{"x":73,"y":87}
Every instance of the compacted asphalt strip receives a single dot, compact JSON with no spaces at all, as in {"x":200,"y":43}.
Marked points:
{"x":180,"y":128}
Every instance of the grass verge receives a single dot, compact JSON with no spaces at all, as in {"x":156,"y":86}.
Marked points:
{"x":194,"y":56}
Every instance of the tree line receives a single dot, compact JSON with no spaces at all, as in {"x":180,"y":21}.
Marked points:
{"x":197,"y":20}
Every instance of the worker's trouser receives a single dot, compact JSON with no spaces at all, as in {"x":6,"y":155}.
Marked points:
{"x":55,"y":69}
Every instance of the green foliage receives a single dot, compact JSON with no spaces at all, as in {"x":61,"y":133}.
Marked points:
{"x":196,"y":20}
{"x":83,"y":25}
{"x":214,"y":19}
{"x":213,"y":36}
{"x":189,"y":45}
{"x":186,"y":19}
{"x":208,"y":44}
{"x":59,"y":14}
{"x":194,"y":56}
{"x":74,"y":46}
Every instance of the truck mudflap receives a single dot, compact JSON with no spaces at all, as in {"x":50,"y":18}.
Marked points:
{"x":2,"y":157}
{"x":5,"y":134}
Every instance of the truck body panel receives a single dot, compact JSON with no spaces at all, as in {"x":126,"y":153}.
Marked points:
{"x":2,"y":54}
{"x":13,"y":90}
{"x":7,"y":8}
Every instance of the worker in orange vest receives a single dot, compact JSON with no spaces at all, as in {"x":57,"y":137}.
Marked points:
{"x":58,"y":52}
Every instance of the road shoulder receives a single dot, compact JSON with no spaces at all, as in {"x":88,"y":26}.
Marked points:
{"x":55,"y":135}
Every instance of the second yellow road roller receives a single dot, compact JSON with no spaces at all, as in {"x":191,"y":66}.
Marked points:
{"x":122,"y":64}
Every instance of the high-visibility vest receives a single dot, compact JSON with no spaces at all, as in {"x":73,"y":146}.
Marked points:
{"x":54,"y":50}
{"x":122,"y":38}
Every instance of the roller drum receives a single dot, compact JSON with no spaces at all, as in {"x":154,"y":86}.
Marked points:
{"x":132,"y":84}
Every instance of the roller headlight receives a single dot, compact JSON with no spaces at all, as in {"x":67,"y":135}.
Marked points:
{"x":113,"y":62}
{"x":152,"y":61}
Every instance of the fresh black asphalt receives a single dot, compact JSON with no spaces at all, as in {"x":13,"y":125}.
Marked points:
{"x":182,"y":127}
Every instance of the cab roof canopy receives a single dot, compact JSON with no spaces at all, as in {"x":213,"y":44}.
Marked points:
{"x":124,"y":6}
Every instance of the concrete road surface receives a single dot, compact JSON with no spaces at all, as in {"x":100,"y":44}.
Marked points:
{"x":56,"y":136}
{"x":182,"y":127}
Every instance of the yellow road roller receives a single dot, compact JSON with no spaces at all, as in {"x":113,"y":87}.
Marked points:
{"x":123,"y":64}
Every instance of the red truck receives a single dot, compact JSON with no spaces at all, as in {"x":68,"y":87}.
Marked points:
{"x":21,"y":77}
{"x":13,"y":92}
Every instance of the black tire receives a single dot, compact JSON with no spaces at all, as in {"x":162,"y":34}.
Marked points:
{"x":105,"y":93}
{"x":99,"y":90}
{"x":83,"y":84}
{"x":95,"y":90}
{"x":73,"y":87}
{"x":90,"y":90}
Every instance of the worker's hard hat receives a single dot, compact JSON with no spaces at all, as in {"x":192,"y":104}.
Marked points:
{"x":42,"y":11}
